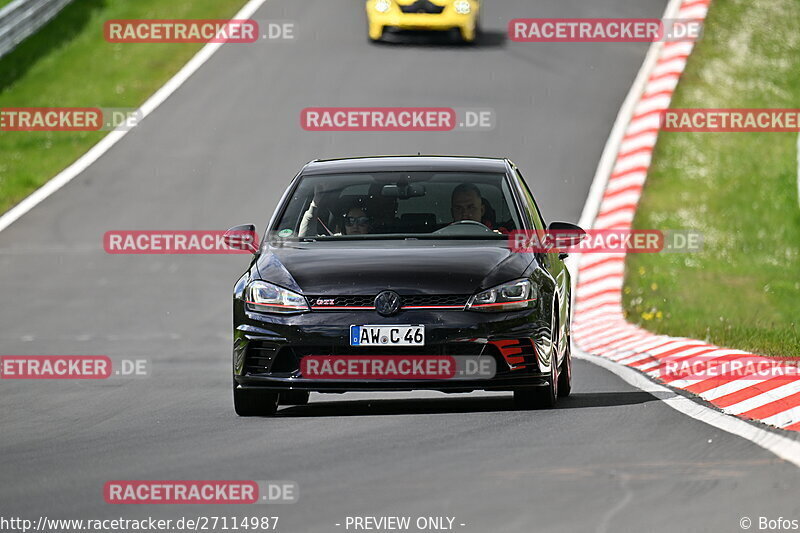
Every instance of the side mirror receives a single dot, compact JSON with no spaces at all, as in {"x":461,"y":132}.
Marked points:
{"x":564,"y":234}
{"x":242,"y":237}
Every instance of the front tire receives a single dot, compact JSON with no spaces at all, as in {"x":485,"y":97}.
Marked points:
{"x":539,"y":397}
{"x":547,"y":396}
{"x":467,"y":36}
{"x":375,"y":33}
{"x":253,"y":402}
{"x":565,"y":375}
{"x":525,"y":399}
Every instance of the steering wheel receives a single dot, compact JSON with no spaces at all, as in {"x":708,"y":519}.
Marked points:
{"x":463,"y":224}
{"x":473,"y":222}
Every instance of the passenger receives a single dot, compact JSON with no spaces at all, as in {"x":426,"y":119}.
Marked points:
{"x":356,"y":222}
{"x":313,"y":221}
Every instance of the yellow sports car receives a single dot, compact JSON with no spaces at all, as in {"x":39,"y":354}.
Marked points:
{"x":437,"y":15}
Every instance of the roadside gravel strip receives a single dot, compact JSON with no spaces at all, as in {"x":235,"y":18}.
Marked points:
{"x":772,"y":397}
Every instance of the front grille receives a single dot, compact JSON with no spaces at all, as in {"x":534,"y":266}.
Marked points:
{"x":260,"y":356}
{"x":341,"y":301}
{"x":422,"y":6}
{"x":320,"y":303}
{"x":434,"y":300}
{"x":518,"y":353}
{"x":265,"y":358}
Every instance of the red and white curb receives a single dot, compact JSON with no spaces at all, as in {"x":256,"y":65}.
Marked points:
{"x":599,"y":327}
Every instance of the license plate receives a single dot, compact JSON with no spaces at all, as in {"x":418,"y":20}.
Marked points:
{"x":387,"y":335}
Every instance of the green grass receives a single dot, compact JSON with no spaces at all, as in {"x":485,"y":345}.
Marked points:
{"x":740,"y":189}
{"x":4,"y":2}
{"x":68,"y":63}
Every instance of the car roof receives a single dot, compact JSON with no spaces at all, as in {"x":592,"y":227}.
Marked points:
{"x":405,"y":163}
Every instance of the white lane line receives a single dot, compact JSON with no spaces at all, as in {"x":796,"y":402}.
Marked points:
{"x":96,"y":151}
{"x":785,"y":448}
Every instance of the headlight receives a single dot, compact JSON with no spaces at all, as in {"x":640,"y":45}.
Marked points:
{"x":265,"y":297}
{"x":382,"y":6}
{"x":462,"y":7}
{"x":510,"y":296}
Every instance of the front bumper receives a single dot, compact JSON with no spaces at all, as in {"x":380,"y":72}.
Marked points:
{"x":395,"y":19}
{"x":339,"y":386}
{"x":268,"y":349}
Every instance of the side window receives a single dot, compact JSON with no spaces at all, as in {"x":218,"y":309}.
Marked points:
{"x":533,"y":209}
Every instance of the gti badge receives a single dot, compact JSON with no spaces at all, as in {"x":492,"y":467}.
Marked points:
{"x":387,"y":303}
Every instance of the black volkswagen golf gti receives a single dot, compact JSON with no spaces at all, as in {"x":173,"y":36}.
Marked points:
{"x":393,"y":257}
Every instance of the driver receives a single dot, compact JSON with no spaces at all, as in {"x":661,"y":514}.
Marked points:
{"x":467,"y":203}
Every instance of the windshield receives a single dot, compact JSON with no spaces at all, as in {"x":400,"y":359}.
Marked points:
{"x":399,"y":205}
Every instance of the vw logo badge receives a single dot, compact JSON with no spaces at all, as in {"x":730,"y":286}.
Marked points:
{"x":387,"y":303}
